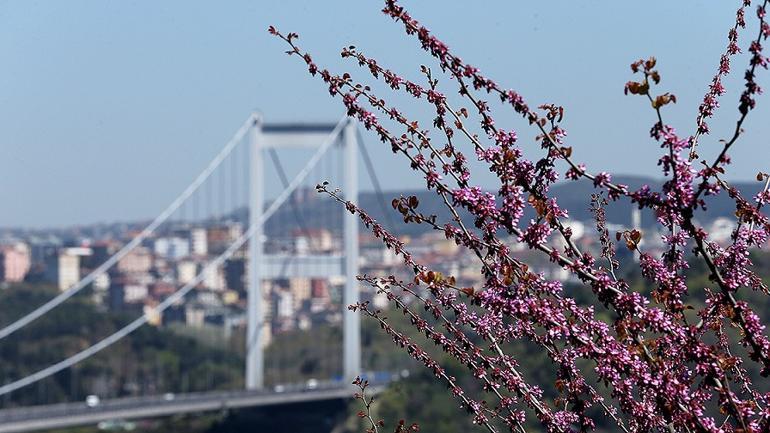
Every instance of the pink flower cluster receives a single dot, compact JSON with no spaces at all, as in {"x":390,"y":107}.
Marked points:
{"x":657,"y":370}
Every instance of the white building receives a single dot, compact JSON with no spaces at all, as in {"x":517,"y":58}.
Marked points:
{"x":722,"y":230}
{"x":137,"y":261}
{"x":102,"y":282}
{"x":199,"y":242}
{"x":63,"y":267}
{"x":578,"y":231}
{"x":134,"y":292}
{"x":173,"y":248}
{"x":186,"y":271}
{"x":377,"y":255}
{"x":284,"y":305}
{"x":214,"y":279}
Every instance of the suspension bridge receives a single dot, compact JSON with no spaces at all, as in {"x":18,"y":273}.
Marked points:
{"x":280,"y":240}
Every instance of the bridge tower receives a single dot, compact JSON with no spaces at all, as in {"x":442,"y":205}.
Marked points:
{"x":264,"y":265}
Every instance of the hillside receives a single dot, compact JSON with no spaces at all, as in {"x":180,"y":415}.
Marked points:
{"x":573,"y":196}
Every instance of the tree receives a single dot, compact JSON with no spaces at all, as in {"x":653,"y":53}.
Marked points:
{"x":661,"y":362}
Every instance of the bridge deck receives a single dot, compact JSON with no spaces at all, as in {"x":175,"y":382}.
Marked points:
{"x":74,"y":414}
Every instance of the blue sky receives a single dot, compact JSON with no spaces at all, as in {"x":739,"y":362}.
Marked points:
{"x":110,"y":108}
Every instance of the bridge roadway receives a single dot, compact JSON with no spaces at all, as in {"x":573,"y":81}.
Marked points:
{"x":33,"y":418}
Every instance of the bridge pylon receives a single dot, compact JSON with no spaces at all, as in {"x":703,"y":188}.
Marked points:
{"x":263,"y":265}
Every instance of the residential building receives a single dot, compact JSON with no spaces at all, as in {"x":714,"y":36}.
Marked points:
{"x":62,"y":268}
{"x":173,"y":248}
{"x":138,"y":261}
{"x":199,"y":242}
{"x":15,"y":262}
{"x":186,"y":271}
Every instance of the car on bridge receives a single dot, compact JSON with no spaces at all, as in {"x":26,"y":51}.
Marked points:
{"x":92,"y":400}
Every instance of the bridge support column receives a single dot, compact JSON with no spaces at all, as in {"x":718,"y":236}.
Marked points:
{"x":351,"y":320}
{"x":255,"y":367}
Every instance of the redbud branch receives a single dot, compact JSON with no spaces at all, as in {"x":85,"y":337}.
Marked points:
{"x":378,"y":70}
{"x":421,"y":356}
{"x":365,"y":218}
{"x":497,"y":262}
{"x":362,"y":385}
{"x":739,"y":123}
{"x":524,"y":391}
{"x":738,"y":318}
{"x":705,"y":109}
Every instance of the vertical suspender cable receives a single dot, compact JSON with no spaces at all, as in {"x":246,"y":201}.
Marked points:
{"x":375,"y":182}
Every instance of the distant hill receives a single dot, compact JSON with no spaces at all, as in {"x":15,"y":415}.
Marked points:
{"x":573,"y":196}
{"x":315,"y":210}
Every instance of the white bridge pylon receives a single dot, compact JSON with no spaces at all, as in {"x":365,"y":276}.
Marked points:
{"x":260,"y":265}
{"x":264,"y":266}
